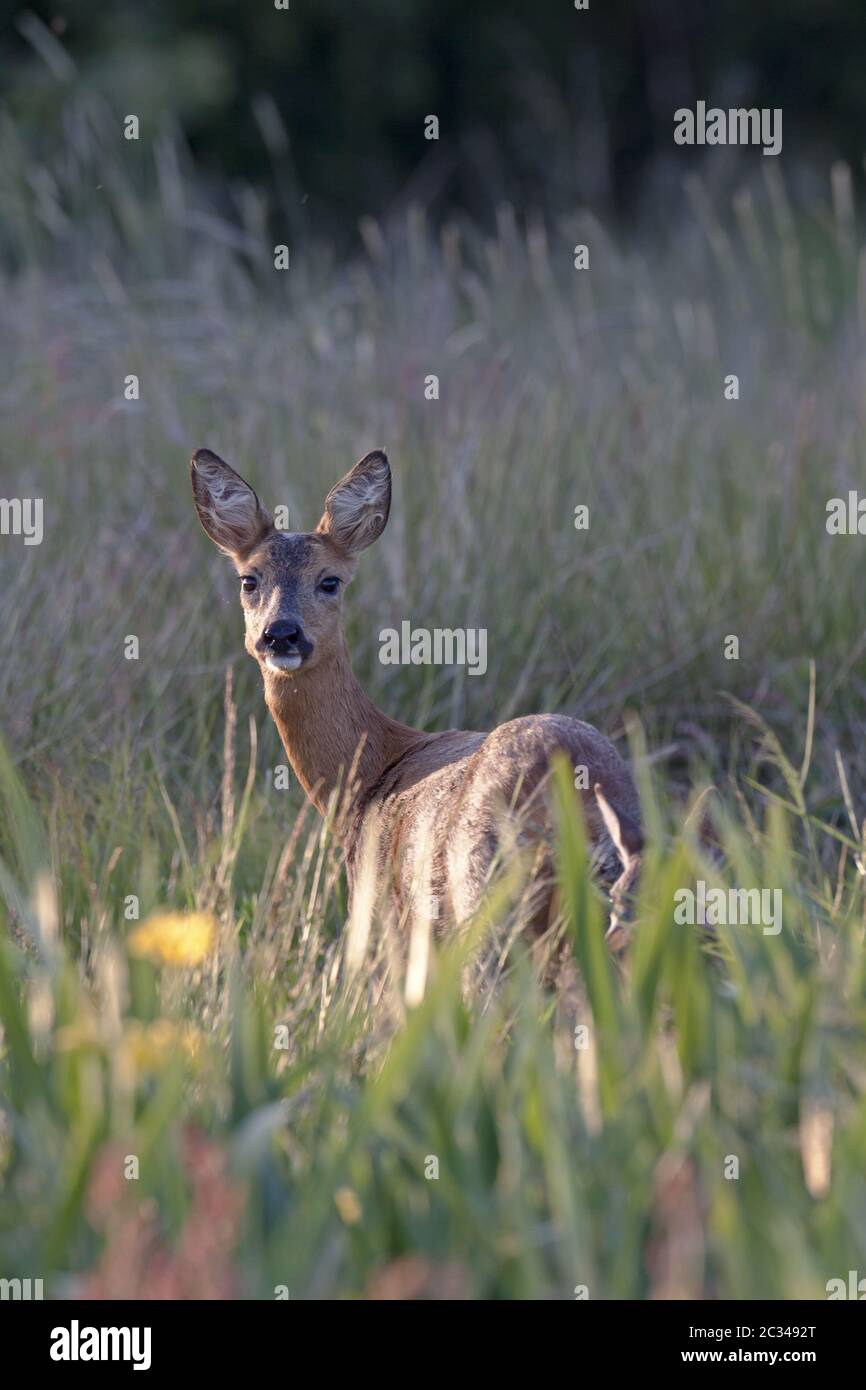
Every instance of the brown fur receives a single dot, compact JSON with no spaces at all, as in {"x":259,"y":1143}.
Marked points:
{"x":430,"y":808}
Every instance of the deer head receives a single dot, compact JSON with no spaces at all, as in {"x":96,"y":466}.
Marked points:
{"x":292,"y":583}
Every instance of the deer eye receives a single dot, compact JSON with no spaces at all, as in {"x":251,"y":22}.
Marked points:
{"x":330,"y":585}
{"x":249,"y":583}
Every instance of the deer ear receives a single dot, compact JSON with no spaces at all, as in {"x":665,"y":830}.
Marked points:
{"x":357,"y":507}
{"x":625,"y":833}
{"x":227,"y":506}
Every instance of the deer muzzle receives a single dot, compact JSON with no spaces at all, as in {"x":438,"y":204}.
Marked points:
{"x":284,"y":645}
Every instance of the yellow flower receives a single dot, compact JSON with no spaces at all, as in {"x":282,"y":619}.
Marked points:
{"x":174,"y":938}
{"x":149,"y":1046}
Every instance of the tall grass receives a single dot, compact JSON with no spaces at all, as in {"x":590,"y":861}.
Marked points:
{"x":304,"y":1159}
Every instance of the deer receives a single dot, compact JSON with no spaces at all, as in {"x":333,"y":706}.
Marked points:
{"x":415,"y":804}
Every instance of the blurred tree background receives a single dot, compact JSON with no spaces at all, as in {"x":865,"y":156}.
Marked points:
{"x":538,"y":103}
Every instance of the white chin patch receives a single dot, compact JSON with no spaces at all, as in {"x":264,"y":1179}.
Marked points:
{"x":283,"y":663}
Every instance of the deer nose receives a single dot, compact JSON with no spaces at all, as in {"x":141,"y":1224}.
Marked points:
{"x":283,"y":634}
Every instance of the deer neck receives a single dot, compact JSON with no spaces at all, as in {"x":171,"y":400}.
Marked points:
{"x":324,"y":718}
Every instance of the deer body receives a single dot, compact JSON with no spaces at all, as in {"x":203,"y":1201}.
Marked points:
{"x":429,"y":809}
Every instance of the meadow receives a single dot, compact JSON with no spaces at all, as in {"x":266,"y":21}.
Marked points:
{"x":228,"y":1106}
